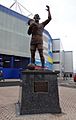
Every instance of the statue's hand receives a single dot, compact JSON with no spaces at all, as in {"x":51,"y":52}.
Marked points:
{"x":47,"y":7}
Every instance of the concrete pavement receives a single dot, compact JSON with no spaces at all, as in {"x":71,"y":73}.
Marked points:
{"x":67,"y":83}
{"x":16,"y":82}
{"x":9,"y":96}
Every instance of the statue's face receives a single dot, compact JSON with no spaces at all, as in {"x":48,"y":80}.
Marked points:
{"x":36,"y":20}
{"x":36,"y":17}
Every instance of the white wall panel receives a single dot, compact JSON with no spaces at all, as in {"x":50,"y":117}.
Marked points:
{"x":68,"y":61}
{"x":56,"y":57}
{"x":56,"y":67}
{"x":14,"y":39}
{"x":56,"y":44}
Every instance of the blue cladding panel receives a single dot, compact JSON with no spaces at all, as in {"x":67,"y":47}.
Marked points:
{"x":50,"y":54}
{"x":10,"y":73}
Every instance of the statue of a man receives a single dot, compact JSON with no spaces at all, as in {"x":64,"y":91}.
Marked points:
{"x":36,"y":30}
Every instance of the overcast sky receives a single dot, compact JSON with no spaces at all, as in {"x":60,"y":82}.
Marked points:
{"x":63,"y":23}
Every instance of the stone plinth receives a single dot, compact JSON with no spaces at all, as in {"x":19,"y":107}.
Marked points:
{"x":39,"y":92}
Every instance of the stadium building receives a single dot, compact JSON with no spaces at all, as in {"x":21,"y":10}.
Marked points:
{"x":15,"y":44}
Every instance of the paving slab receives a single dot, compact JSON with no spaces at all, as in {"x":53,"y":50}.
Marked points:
{"x":9,"y":97}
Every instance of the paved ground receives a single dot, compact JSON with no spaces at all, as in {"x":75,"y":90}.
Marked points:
{"x":67,"y":83}
{"x":9,"y":97}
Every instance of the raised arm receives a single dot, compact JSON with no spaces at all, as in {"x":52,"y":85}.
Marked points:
{"x":49,"y":16}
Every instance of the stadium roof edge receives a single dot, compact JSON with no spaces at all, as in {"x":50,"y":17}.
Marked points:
{"x":13,"y":13}
{"x":19,"y":16}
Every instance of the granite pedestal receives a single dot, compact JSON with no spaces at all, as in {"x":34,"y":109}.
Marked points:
{"x":39,"y":92}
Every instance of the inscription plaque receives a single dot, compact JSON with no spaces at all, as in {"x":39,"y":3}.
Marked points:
{"x":40,"y":86}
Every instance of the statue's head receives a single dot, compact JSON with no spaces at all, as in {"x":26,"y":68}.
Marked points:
{"x":36,"y":17}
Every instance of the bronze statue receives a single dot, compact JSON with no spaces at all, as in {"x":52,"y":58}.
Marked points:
{"x":36,"y":30}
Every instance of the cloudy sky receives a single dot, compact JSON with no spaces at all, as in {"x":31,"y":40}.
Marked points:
{"x":63,"y":23}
